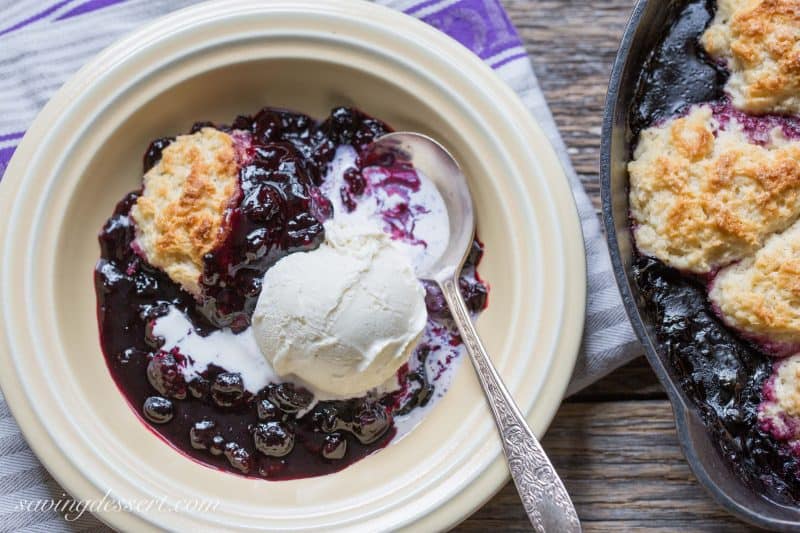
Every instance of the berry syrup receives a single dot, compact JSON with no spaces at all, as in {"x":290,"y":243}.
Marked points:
{"x":279,"y":431}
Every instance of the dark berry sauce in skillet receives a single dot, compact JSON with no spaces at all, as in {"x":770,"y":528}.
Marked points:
{"x":722,"y":373}
{"x":278,"y":432}
{"x":678,"y":73}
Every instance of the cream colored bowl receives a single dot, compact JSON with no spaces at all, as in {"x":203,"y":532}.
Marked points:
{"x":210,"y":62}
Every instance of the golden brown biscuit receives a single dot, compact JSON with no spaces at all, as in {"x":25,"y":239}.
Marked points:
{"x":779,"y":412}
{"x":702,"y":197}
{"x":181,"y":213}
{"x":760,"y":41}
{"x":760,"y":295}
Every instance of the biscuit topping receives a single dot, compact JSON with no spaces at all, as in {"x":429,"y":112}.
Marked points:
{"x":760,"y":295}
{"x":181,"y":214}
{"x":779,"y":413}
{"x":760,"y":41}
{"x":704,"y":195}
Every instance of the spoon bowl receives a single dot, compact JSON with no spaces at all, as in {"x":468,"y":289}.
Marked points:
{"x":438,"y":165}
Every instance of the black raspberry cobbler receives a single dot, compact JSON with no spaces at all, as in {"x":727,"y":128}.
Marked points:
{"x":292,"y":174}
{"x":714,"y":207}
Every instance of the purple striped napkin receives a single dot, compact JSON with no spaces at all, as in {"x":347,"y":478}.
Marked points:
{"x":43,"y":42}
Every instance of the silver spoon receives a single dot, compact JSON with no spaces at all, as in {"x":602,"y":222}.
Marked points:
{"x":543,"y":495}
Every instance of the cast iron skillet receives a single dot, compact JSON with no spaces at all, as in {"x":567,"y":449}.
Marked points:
{"x":644,"y":32}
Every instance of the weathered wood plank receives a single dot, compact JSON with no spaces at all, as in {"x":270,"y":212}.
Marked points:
{"x":572,"y":44}
{"x":624,"y":469}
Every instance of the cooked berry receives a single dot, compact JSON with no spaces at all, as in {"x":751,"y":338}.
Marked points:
{"x":351,"y":126}
{"x":289,"y":398}
{"x":347,"y":199}
{"x":420,"y":390}
{"x":227,"y":389}
{"x":371,"y":422}
{"x":341,"y":125}
{"x":145,"y":284}
{"x":165,"y":376}
{"x":326,"y":418}
{"x":238,"y":457}
{"x":435,"y":302}
{"x":217,"y":445}
{"x":355,"y":181}
{"x":264,"y":203}
{"x":256,"y":243}
{"x":474,"y":294}
{"x":153,"y":153}
{"x":158,"y":409}
{"x":335,"y":446}
{"x":475,"y":253}
{"x":267,"y":410}
{"x":199,"y":387}
{"x":202,"y":433}
{"x":274,"y":439}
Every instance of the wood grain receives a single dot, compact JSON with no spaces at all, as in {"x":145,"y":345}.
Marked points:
{"x":614,"y":443}
{"x":623,"y":467}
{"x":634,"y":381}
{"x":572,"y":44}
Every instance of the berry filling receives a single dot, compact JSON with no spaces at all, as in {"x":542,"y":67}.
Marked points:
{"x":228,"y":418}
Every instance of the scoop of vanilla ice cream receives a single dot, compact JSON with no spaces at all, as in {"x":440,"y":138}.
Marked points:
{"x":344,"y":317}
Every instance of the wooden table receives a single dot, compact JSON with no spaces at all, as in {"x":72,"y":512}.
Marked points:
{"x":614,"y":444}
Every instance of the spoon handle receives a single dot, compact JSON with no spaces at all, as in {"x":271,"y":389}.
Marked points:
{"x":543,"y":495}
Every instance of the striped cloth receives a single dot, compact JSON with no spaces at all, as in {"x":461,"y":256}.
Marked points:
{"x":43,"y":42}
